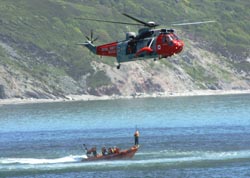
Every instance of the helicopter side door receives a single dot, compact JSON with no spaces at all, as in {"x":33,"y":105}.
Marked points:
{"x":122,"y":52}
{"x":131,"y":47}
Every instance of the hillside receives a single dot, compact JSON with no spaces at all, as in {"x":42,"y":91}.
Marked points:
{"x":39,"y":58}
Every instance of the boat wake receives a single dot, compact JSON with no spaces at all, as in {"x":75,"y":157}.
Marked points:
{"x":67,"y":159}
{"x":141,"y":160}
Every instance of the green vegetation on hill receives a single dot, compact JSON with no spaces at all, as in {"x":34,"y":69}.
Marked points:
{"x":50,"y":25}
{"x":42,"y":34}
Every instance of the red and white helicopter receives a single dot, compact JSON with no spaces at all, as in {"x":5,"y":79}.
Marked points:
{"x":147,"y":44}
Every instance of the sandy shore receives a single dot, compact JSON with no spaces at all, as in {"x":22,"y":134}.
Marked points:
{"x":138,"y":95}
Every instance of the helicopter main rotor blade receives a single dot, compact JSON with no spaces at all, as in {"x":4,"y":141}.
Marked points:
{"x":91,"y":34}
{"x":140,"y":21}
{"x":135,"y":19}
{"x":193,"y":23}
{"x":108,"y":21}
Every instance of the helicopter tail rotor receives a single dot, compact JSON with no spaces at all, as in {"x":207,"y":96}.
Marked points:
{"x":89,"y":43}
{"x":91,"y":39}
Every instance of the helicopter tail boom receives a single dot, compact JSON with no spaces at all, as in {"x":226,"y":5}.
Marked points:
{"x":109,"y":49}
{"x":89,"y":45}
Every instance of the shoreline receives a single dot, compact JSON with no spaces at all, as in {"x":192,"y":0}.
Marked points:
{"x":72,"y":98}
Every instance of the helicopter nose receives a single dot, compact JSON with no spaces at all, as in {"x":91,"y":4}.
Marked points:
{"x":179,"y":46}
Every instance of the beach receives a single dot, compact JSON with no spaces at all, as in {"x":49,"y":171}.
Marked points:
{"x":70,"y":98}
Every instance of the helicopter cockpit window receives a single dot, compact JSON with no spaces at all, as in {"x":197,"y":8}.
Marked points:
{"x":167,"y":39}
{"x":175,"y":37}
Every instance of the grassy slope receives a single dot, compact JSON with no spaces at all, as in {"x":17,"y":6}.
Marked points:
{"x":50,"y":24}
{"x":46,"y":32}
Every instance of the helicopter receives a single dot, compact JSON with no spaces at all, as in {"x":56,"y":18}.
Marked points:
{"x":149,"y":43}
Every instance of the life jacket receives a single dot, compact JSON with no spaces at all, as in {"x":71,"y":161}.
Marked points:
{"x":116,"y":150}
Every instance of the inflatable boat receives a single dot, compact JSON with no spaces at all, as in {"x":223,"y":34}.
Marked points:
{"x":123,"y":154}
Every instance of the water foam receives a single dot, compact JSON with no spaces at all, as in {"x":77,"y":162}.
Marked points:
{"x":191,"y":156}
{"x":67,"y":159}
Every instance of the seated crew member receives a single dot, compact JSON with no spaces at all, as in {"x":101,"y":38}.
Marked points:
{"x":104,"y":151}
{"x":94,"y":151}
{"x":116,"y":150}
{"x":87,"y":152}
{"x":110,"y":151}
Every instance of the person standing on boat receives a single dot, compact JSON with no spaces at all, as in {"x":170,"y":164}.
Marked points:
{"x":136,"y":135}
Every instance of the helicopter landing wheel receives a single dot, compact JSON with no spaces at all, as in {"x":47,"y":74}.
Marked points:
{"x":118,"y":67}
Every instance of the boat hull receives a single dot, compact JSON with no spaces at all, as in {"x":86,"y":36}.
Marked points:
{"x":123,"y":154}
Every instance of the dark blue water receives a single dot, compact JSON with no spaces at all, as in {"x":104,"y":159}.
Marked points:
{"x":205,"y":136}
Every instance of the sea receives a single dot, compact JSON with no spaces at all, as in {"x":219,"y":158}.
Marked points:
{"x":195,"y":136}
